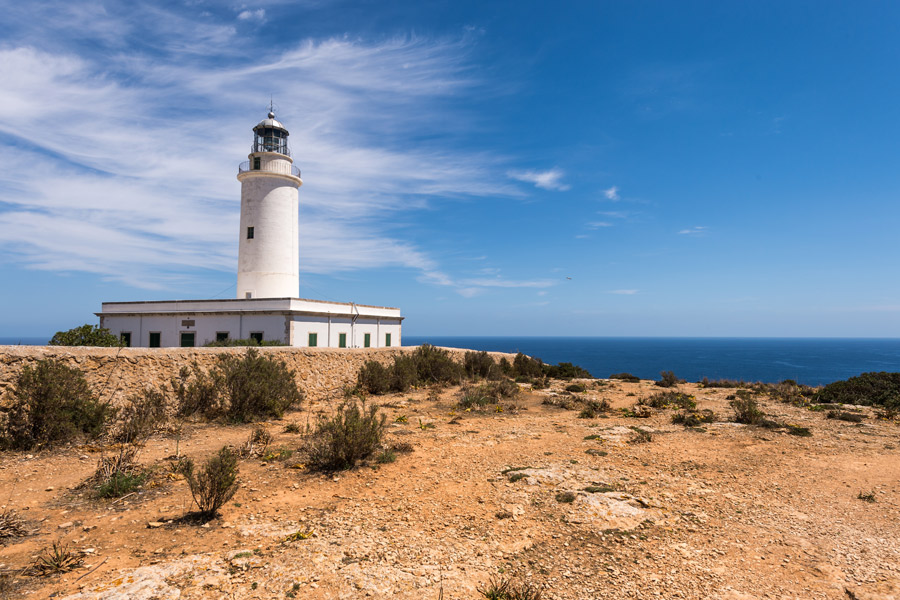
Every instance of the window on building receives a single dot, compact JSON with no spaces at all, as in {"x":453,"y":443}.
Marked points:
{"x":313,"y":340}
{"x":222,"y":336}
{"x":387,"y":339}
{"x":187,"y":339}
{"x":256,"y":335}
{"x":367,"y":340}
{"x":248,"y":295}
{"x":256,"y":163}
{"x":125,"y":336}
{"x":342,"y":340}
{"x":155,"y":339}
{"x":249,"y":233}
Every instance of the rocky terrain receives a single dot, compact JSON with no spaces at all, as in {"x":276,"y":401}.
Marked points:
{"x":576,"y":507}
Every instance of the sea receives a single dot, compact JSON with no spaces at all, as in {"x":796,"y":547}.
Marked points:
{"x":811,"y":361}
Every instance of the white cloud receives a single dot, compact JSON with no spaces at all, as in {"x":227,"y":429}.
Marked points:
{"x":137,"y":179}
{"x":548,"y":180}
{"x":623,"y":292}
{"x":253,"y":15}
{"x":696,"y":230}
{"x":612,"y":194}
{"x":598,"y":224}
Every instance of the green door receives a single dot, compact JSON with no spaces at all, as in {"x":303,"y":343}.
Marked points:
{"x":187,"y":339}
{"x":313,"y":340}
{"x":367,"y":340}
{"x":387,"y":339}
{"x":342,"y":340}
{"x":154,"y":339}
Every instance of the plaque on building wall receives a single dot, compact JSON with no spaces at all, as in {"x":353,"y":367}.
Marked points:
{"x":187,"y":323}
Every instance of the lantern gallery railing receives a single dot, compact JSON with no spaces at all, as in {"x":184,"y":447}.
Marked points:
{"x":245,"y":167}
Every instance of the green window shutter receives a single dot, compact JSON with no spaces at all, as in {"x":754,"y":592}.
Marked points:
{"x":187,"y":339}
{"x":367,"y":340}
{"x":387,"y":339}
{"x":342,"y":340}
{"x":313,"y":340}
{"x":154,"y":339}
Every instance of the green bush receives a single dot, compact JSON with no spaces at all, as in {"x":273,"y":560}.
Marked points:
{"x":867,"y":389}
{"x":670,"y":400}
{"x":693,"y":418}
{"x":746,"y":410}
{"x":257,"y":386}
{"x":196,"y":392}
{"x":480,"y":365}
{"x":240,"y":388}
{"x":86,"y":335}
{"x":525,"y":366}
{"x":575,"y":387}
{"x":435,"y":365}
{"x":120,"y":484}
{"x":566,"y":370}
{"x":668,"y":379}
{"x":374,"y":378}
{"x":625,"y":377}
{"x":215,"y":484}
{"x":51,"y":403}
{"x":353,"y":433}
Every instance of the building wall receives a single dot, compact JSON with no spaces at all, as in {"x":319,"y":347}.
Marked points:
{"x":328,"y":331}
{"x":205,"y":327}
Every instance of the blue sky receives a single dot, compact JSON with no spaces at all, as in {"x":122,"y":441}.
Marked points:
{"x":495,"y":168}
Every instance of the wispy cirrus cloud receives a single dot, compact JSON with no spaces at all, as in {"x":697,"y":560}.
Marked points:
{"x":547,"y":180}
{"x":623,"y":292}
{"x":139,"y":153}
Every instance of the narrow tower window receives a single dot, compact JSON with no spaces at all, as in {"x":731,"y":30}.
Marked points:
{"x":256,"y":163}
{"x":249,"y":233}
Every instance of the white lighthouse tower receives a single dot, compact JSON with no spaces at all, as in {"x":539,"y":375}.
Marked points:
{"x":269,"y":246}
{"x":268,"y":307}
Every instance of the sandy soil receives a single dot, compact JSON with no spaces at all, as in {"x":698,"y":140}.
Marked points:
{"x":724,"y":511}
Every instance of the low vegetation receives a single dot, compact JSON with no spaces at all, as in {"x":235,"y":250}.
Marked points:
{"x":668,"y":379}
{"x":670,"y":400}
{"x":85,"y":335}
{"x":694,"y":418}
{"x":58,"y":558}
{"x":339,"y":442}
{"x":51,"y":403}
{"x":214,"y":484}
{"x":240,"y":388}
{"x":12,"y":525}
{"x":503,"y":588}
{"x":868,"y":389}
{"x":625,"y":377}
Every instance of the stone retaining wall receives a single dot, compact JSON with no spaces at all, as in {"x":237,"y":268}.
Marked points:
{"x":116,"y":373}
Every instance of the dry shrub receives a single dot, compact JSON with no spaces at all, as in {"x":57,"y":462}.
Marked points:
{"x":214,"y":484}
{"x":353,"y":433}
{"x":51,"y":403}
{"x":59,"y":558}
{"x":12,"y":525}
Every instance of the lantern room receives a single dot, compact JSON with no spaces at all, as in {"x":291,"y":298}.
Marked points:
{"x":270,"y":136}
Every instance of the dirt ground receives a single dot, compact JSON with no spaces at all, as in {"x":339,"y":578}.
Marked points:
{"x":722,"y":511}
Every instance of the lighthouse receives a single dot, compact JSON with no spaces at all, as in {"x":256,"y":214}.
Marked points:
{"x":269,"y":247}
{"x":268,"y":307}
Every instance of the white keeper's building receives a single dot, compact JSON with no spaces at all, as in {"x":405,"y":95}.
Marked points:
{"x":267,"y":307}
